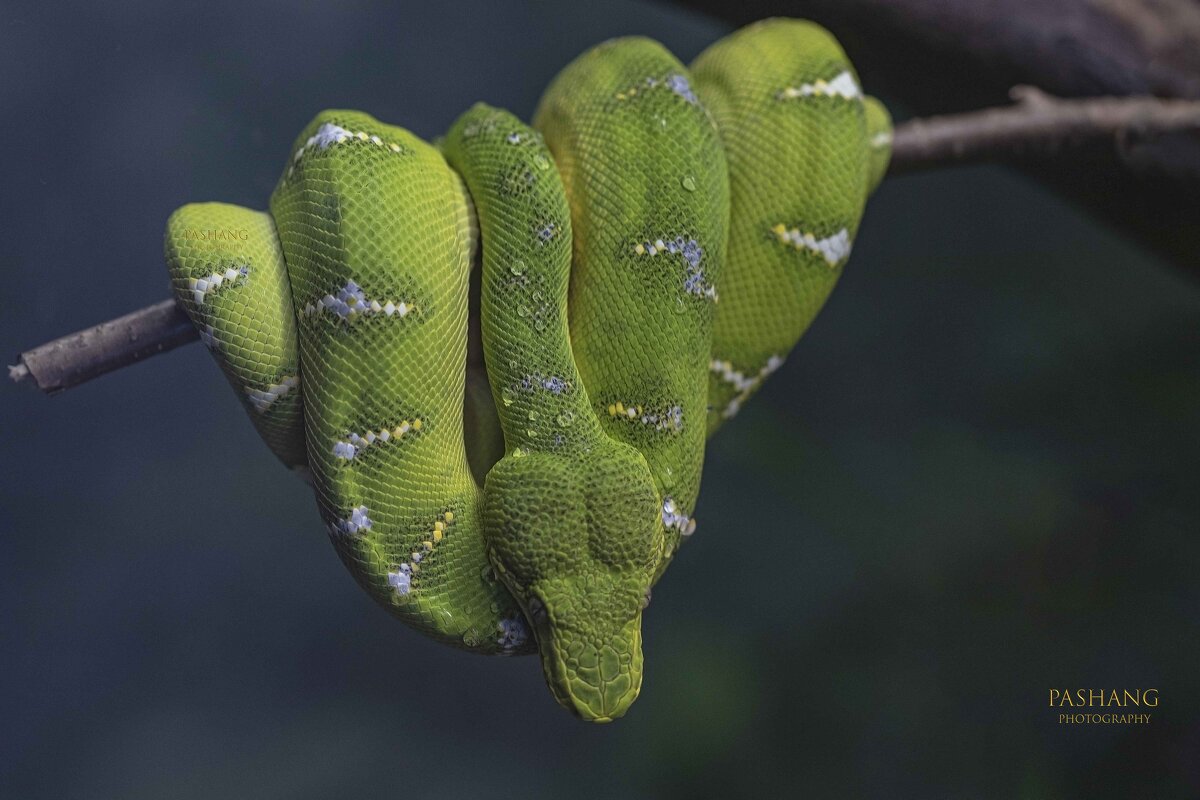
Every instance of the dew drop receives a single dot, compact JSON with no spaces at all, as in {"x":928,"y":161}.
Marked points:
{"x":667,"y":478}
{"x":689,"y":183}
{"x":518,"y":452}
{"x":518,"y":267}
{"x":541,"y":162}
{"x":522,"y":310}
{"x":531,"y":433}
{"x":532,"y":416}
{"x":507,"y":396}
{"x":495,"y":607}
{"x":680,"y":306}
{"x":540,"y":324}
{"x":566,"y":418}
{"x":469,"y":639}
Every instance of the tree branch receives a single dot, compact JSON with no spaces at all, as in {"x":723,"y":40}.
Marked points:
{"x":91,"y":352}
{"x":1037,"y":125}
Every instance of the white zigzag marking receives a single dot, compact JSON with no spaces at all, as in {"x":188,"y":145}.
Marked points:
{"x":350,"y":302}
{"x":834,"y":249}
{"x":346,"y":449}
{"x":359,"y":520}
{"x":745,"y":384}
{"x":200,"y":287}
{"x":330,"y":134}
{"x":262,"y":399}
{"x":841,"y":85}
{"x":694,"y":282}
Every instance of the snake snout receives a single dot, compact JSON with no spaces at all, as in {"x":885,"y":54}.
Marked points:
{"x":592,"y":662}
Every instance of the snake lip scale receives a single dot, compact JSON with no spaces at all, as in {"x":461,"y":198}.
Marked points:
{"x":647,"y":252}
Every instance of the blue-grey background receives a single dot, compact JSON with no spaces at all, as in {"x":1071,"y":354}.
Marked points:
{"x":974,"y":480}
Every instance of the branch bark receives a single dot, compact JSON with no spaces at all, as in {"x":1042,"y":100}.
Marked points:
{"x":81,"y":356}
{"x":1037,"y":125}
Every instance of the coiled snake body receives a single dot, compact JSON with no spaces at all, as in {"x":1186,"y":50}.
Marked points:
{"x":692,"y":221}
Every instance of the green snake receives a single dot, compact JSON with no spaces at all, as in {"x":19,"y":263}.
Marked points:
{"x":651,"y":249}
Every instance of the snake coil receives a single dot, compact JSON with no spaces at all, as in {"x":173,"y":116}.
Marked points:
{"x":652,"y":247}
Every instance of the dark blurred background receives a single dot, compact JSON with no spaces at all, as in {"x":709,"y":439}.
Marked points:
{"x":975,"y":479}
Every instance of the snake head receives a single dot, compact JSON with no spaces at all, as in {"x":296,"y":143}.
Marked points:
{"x":589,"y":633}
{"x":577,"y":540}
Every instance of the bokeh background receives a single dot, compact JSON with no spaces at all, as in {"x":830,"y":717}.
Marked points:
{"x":974,"y":480}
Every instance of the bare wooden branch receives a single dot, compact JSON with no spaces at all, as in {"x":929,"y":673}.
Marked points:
{"x":89,"y":353}
{"x":1036,"y":125}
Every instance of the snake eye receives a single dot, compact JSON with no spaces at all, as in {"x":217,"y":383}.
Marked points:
{"x":537,"y":611}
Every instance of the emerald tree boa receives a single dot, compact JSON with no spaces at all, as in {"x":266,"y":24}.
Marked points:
{"x":650,"y":250}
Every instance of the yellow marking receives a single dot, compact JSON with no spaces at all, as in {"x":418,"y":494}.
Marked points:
{"x":437,"y":536}
{"x":640,"y":249}
{"x":449,"y":515}
{"x":439,"y":526}
{"x":664,"y":419}
{"x":416,"y":424}
{"x":428,"y":544}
